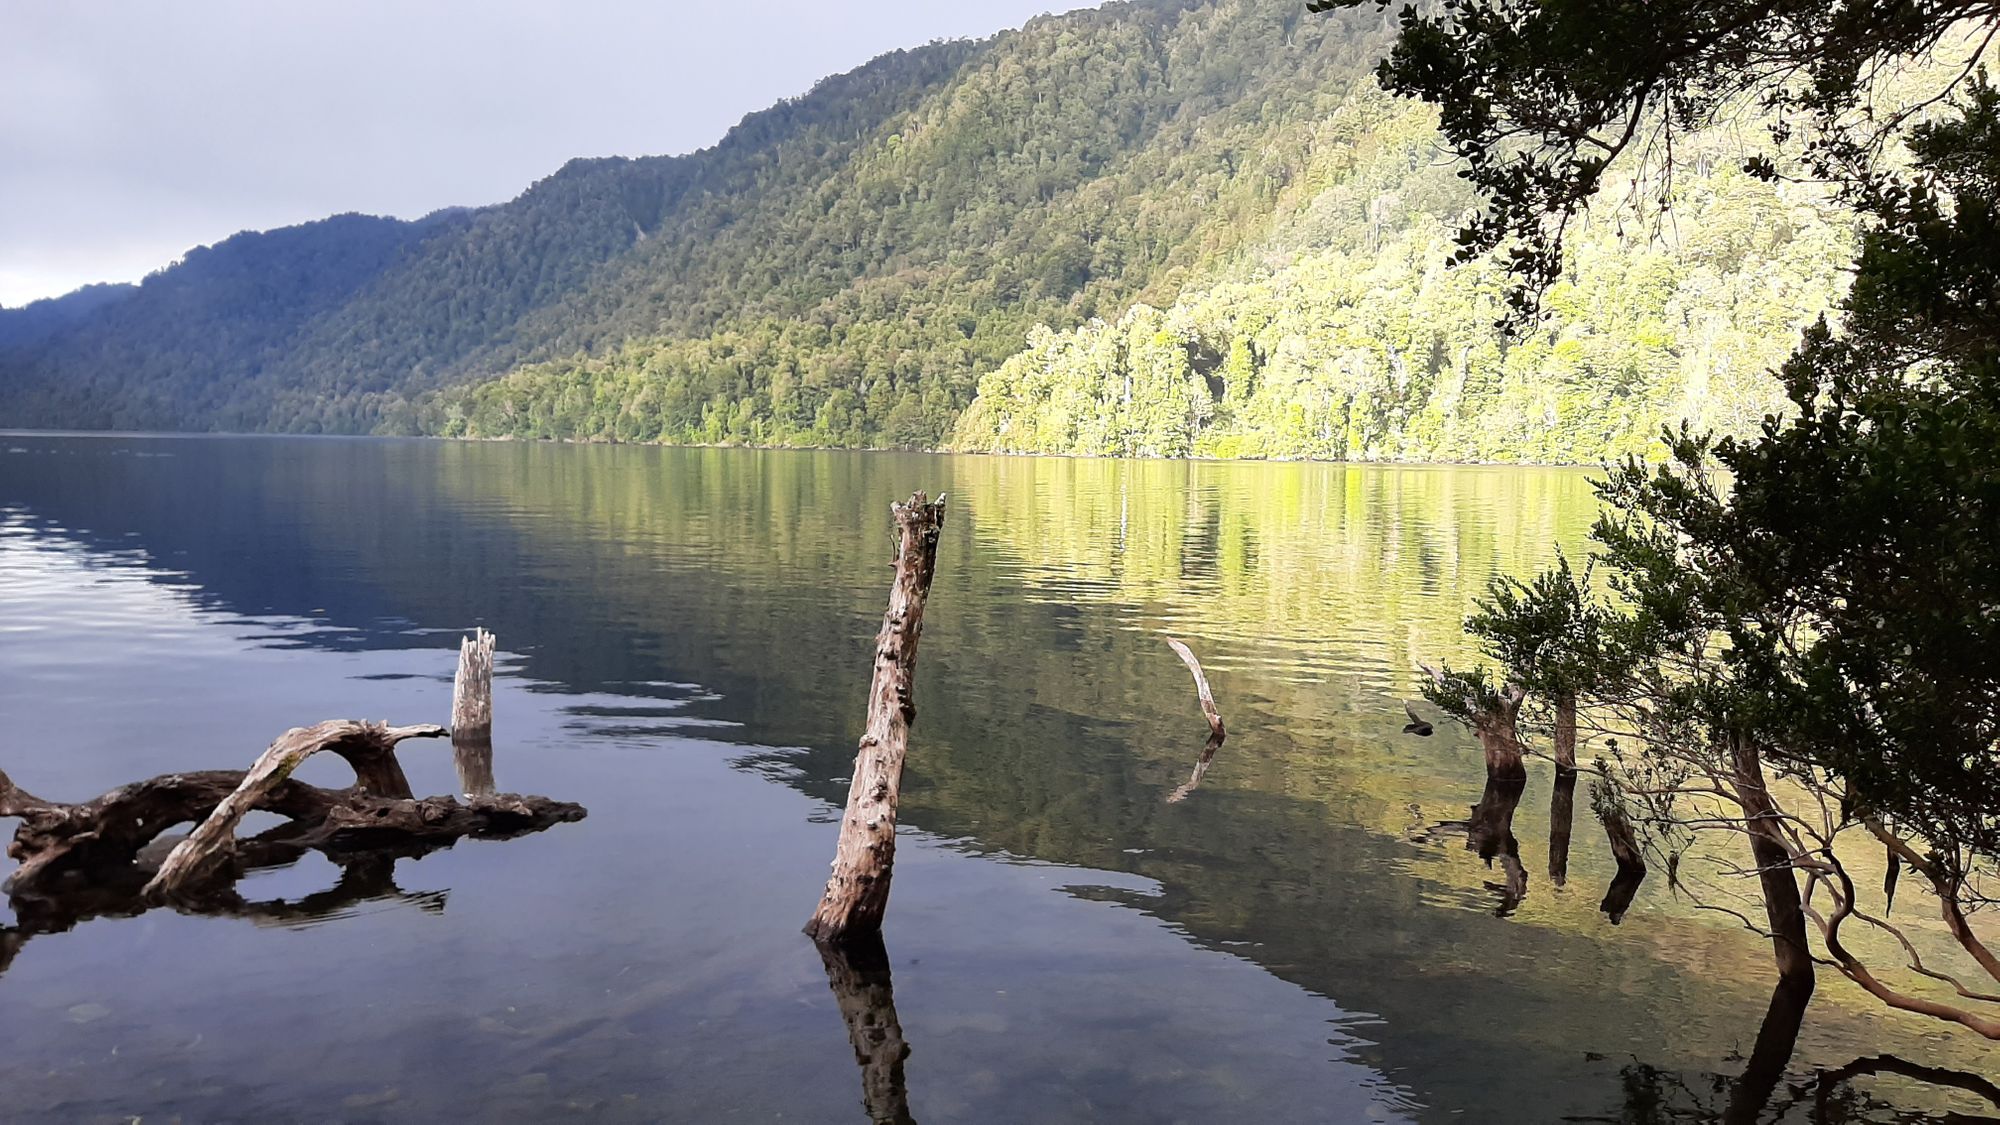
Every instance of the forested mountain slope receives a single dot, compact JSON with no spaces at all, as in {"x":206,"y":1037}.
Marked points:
{"x":1162,"y":227}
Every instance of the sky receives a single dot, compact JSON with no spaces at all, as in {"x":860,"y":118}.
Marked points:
{"x":133,"y":130}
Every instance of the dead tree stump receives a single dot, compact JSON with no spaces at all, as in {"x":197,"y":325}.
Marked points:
{"x":472,"y":715}
{"x":857,"y":894}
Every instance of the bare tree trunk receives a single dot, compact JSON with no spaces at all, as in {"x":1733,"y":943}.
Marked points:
{"x":1782,"y":906}
{"x":858,"y":973}
{"x":1565,"y":733}
{"x":472,"y":715}
{"x":213,"y":843}
{"x":857,"y":894}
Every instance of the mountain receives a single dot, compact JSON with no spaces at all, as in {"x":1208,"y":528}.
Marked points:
{"x":1161,"y":227}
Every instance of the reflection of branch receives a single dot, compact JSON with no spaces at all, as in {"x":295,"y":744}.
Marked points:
{"x":1890,"y":1064}
{"x":1200,"y":770}
{"x":364,"y":877}
{"x":858,"y":972}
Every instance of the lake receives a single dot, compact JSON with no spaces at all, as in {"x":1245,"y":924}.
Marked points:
{"x":685,"y":639}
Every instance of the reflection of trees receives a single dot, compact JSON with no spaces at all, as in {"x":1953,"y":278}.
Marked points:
{"x":858,"y":973}
{"x":1765,"y":1091}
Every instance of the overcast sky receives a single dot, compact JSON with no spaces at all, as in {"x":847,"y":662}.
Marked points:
{"x":131,"y":130}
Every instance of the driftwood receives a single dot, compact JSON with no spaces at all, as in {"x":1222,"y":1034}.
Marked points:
{"x":1216,"y":731}
{"x":857,"y":893}
{"x":210,"y":847}
{"x":102,"y":844}
{"x":472,"y":715}
{"x":858,"y":973}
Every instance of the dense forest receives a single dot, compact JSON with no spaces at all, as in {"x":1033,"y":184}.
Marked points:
{"x":1168,"y":227}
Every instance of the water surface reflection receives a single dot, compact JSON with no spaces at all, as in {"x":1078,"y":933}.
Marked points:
{"x":686,"y":627}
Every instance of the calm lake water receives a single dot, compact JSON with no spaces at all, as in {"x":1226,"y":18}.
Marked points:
{"x":685,"y":642}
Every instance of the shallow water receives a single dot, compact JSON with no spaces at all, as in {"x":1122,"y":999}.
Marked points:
{"x":685,"y":638}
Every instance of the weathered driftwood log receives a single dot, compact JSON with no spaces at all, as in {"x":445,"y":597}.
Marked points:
{"x":105,"y":849}
{"x":1216,"y":731}
{"x":857,"y":893}
{"x":858,"y":973}
{"x":472,"y":715}
{"x":210,"y":847}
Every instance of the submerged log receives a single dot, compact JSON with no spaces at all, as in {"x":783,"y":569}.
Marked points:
{"x":857,"y":893}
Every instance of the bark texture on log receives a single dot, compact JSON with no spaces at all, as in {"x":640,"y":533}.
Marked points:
{"x":211,"y":846}
{"x":857,"y":893}
{"x":858,"y":973}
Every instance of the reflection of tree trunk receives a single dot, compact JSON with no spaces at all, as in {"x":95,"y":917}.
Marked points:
{"x":857,"y":894}
{"x":1631,"y":865}
{"x":1562,"y":814}
{"x":474,"y":760}
{"x":1774,"y":865}
{"x":858,"y":972}
{"x":1775,"y":1040}
{"x":1490,"y":832}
